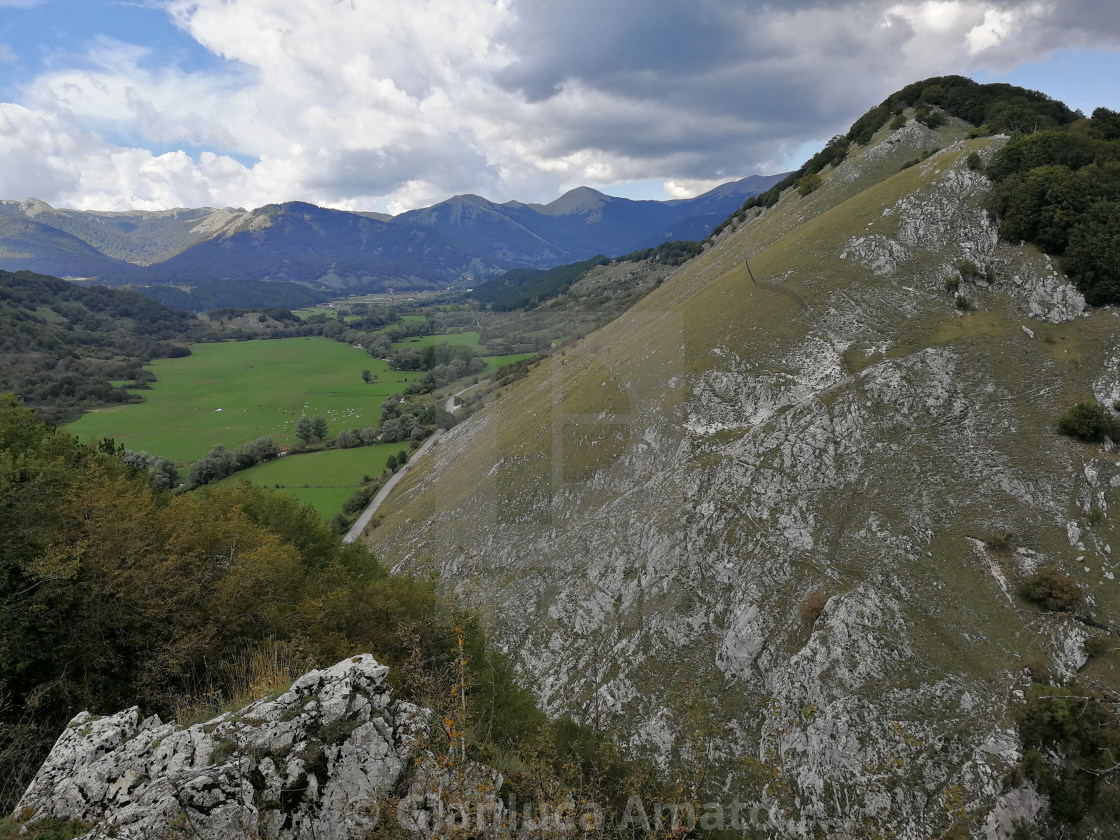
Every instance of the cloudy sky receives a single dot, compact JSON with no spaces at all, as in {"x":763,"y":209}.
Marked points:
{"x":394,"y":104}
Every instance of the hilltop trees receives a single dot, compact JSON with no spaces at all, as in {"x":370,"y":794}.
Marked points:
{"x":1060,"y":189}
{"x":990,"y":107}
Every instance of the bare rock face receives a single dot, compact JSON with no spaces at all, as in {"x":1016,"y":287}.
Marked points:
{"x":847,"y":421}
{"x":322,"y":760}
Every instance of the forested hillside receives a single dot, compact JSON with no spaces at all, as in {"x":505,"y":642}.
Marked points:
{"x":63,"y":344}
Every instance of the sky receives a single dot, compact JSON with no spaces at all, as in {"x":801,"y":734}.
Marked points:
{"x":389,"y":105}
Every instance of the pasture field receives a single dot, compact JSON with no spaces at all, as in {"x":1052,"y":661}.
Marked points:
{"x":495,"y":362}
{"x":233,"y":392}
{"x":322,"y":479}
{"x":463,"y":339}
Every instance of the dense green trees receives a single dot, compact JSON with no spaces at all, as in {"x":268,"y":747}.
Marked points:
{"x":1060,"y":189}
{"x":220,"y":462}
{"x":442,"y":362}
{"x":309,"y":428}
{"x":348,"y":439}
{"x":162,"y":473}
{"x":112,"y":593}
{"x":63,"y":344}
{"x":521,"y":287}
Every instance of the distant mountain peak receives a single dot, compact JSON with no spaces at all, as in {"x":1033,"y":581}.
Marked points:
{"x":32,"y":206}
{"x":578,"y":200}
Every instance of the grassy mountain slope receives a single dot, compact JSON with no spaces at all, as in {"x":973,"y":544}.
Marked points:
{"x":28,"y":245}
{"x":658,"y":505}
{"x":135,"y":236}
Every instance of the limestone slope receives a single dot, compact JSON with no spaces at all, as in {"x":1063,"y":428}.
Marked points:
{"x":651,"y":508}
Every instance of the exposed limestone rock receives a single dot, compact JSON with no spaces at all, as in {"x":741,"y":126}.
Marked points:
{"x":876,"y":253}
{"x":834,"y":424}
{"x":319,"y":761}
{"x":1044,"y":293}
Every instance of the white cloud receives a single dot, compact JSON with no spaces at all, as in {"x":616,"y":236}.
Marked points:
{"x":691,"y":187}
{"x":401,"y":103}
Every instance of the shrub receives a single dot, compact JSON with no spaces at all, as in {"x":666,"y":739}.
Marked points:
{"x":952,"y":284}
{"x":934,"y":120}
{"x":223,"y":750}
{"x":1039,"y":667}
{"x":1070,"y":738}
{"x":968,"y":268}
{"x":1095,"y":646}
{"x":962,"y":303}
{"x":973,"y":161}
{"x":810,"y":182}
{"x":999,"y":540}
{"x":812,"y":606}
{"x":50,"y":828}
{"x":348,"y":439}
{"x":1088,"y":421}
{"x":1052,"y":590}
{"x":898,"y":122}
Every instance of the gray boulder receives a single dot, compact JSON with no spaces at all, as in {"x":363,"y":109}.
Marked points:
{"x":327,"y":759}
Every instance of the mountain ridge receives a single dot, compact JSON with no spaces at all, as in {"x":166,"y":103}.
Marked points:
{"x":787,"y":475}
{"x":453,"y":243}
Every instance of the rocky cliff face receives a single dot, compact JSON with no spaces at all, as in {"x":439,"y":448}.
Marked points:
{"x":790,"y":487}
{"x":330,"y":758}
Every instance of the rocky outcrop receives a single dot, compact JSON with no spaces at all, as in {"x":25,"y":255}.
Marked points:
{"x":329,"y":758}
{"x":853,"y":418}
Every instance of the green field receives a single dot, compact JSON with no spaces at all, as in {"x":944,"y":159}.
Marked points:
{"x":463,"y":339}
{"x":322,"y":479}
{"x":495,"y":362}
{"x":237,"y":391}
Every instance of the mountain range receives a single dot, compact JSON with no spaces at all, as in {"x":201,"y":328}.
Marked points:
{"x":457,"y":243}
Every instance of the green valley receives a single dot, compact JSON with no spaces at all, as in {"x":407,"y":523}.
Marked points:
{"x":233,"y":392}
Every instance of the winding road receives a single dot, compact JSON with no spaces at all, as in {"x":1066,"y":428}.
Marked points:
{"x":383,"y":493}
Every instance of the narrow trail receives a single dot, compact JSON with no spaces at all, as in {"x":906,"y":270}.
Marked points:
{"x":776,"y":287}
